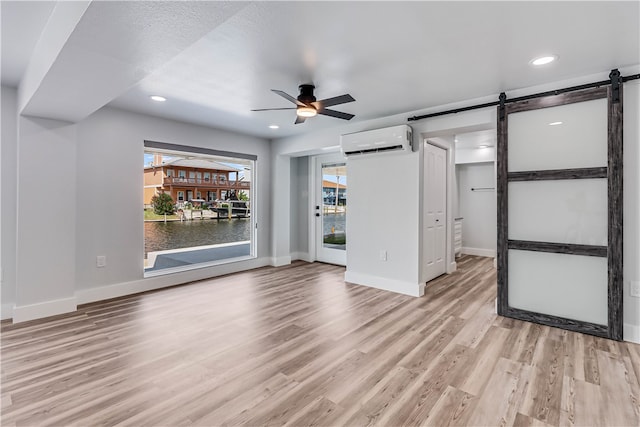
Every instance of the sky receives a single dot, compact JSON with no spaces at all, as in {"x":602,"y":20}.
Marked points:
{"x":148,"y":158}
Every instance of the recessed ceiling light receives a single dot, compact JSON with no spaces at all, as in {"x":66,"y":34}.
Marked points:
{"x":555,"y":123}
{"x":543,"y":60}
{"x":274,"y":127}
{"x":158,"y":98}
{"x":483,"y":146}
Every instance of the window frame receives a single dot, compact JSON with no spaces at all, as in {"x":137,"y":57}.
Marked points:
{"x":218,"y":155}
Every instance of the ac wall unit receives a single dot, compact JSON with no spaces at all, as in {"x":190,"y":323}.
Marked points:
{"x":377,"y":141}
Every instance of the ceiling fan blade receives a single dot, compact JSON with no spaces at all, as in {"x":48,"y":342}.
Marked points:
{"x":288,"y":97}
{"x":336,"y":114}
{"x":299,"y":120}
{"x":342,"y":99}
{"x":274,"y":109}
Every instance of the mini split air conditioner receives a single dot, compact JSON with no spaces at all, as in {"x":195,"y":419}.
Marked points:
{"x":377,"y":141}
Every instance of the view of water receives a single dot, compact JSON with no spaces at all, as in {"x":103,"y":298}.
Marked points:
{"x":160,"y":236}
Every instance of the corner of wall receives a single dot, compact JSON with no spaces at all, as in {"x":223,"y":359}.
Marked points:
{"x":6,"y":311}
{"x":393,"y":285}
{"x":45,"y":309}
{"x":280,"y":261}
{"x":302,"y":256}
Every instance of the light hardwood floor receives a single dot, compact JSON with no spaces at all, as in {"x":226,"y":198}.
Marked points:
{"x":297,"y":346}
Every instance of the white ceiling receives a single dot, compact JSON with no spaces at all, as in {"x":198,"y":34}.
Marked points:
{"x":22,"y":24}
{"x":392,"y":57}
{"x":475,"y":139}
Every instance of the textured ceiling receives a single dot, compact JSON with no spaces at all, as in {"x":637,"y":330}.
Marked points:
{"x":392,"y":57}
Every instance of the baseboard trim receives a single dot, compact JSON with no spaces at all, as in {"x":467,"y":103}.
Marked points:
{"x":6,"y":311}
{"x":631,"y":333}
{"x":85,"y":296}
{"x":44,"y":309}
{"x":491,"y":253}
{"x":303,"y":256}
{"x":280,"y":261}
{"x":398,"y":286}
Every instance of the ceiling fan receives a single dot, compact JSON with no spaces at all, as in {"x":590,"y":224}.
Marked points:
{"x":307,"y":106}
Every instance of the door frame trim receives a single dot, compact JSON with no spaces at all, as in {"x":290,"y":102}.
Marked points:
{"x":314,"y":194}
{"x":448,"y":228}
{"x":450,"y":259}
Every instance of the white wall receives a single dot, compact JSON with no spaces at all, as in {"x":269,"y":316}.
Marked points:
{"x":478,"y":208}
{"x":631,"y":202}
{"x":280,"y":195}
{"x":397,"y":273}
{"x":299,"y":209}
{"x":294,"y":219}
{"x":46,"y":211}
{"x":384,"y":215}
{"x":376,"y":228}
{"x":475,"y":155}
{"x":79,"y":195}
{"x":109,"y":195}
{"x":8,"y":179}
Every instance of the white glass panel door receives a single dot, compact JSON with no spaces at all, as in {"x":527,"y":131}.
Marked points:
{"x":559,"y":218}
{"x":559,"y":211}
{"x":331,"y":209}
{"x":569,"y":286}
{"x":555,"y":210}
{"x":562,"y":137}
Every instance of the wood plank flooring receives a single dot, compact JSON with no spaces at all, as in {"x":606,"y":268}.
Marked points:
{"x":296,"y":346}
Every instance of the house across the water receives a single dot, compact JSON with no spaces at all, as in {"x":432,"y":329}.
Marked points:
{"x":190,"y":179}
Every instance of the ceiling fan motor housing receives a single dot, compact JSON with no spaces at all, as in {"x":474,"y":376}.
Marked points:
{"x":306,"y":93}
{"x":307,"y":106}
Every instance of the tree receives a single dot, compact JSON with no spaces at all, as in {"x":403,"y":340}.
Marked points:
{"x":243,"y":196}
{"x":162,"y":205}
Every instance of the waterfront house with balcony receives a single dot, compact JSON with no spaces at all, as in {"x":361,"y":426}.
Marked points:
{"x":188,"y":179}
{"x":329,"y":191}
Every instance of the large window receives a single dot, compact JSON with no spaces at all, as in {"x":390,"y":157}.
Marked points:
{"x":181,"y":231}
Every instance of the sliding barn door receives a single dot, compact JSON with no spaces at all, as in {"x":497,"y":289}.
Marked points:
{"x":560,"y":211}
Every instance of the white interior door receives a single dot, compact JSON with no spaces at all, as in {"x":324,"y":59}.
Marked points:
{"x":330,"y":209}
{"x":435,"y":211}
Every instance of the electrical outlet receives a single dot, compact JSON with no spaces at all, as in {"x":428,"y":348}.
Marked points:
{"x":101,"y":261}
{"x":383,"y":255}
{"x":634,"y":288}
